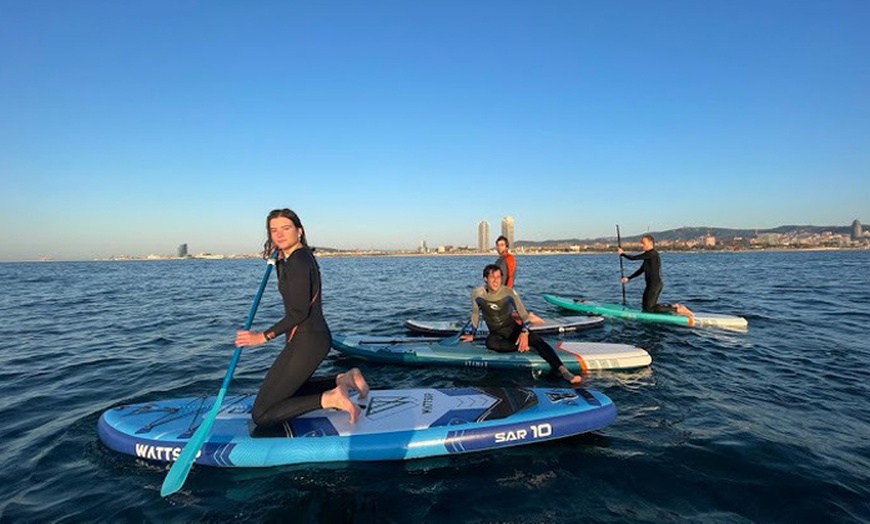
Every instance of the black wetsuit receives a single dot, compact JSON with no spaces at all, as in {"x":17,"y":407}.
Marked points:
{"x":498,"y":309}
{"x":289,"y":389}
{"x":651,"y":269}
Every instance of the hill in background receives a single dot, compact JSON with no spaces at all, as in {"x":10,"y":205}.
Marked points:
{"x":695,"y":236}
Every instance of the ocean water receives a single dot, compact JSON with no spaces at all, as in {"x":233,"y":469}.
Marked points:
{"x":770,"y":425}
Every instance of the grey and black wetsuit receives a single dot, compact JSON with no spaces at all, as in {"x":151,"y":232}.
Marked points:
{"x":289,"y":389}
{"x":651,"y":269}
{"x":498,"y":309}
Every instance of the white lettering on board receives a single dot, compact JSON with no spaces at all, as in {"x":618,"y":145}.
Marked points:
{"x":537,"y":431}
{"x":164,"y":453}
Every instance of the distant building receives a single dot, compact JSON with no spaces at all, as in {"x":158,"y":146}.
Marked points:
{"x":483,"y":236}
{"x":710,"y":241}
{"x":507,"y":229}
{"x":423,"y":247}
{"x":857,"y":232}
{"x":182,"y":251}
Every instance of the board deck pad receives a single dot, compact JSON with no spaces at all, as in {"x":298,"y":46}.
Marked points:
{"x":396,"y":424}
{"x":578,"y":357}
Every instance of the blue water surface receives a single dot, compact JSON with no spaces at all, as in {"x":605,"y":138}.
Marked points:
{"x":770,"y":425}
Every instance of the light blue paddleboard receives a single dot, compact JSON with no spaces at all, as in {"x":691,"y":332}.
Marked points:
{"x":394,"y":424}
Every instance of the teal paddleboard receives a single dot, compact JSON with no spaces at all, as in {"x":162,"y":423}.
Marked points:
{"x":699,"y":319}
{"x":578,"y":357}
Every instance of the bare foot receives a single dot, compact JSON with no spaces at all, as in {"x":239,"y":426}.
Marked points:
{"x":535,"y":319}
{"x":570,"y":377}
{"x":683,"y":310}
{"x":353,"y":379}
{"x":338,"y":398}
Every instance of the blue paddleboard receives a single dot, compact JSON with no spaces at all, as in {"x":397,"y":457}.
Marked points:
{"x":397,"y":424}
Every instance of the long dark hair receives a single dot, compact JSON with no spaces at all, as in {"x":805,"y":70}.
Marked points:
{"x":268,"y":247}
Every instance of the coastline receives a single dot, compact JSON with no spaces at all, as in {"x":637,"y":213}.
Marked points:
{"x":409,"y":254}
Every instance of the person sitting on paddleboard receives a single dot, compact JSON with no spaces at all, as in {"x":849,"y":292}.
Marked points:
{"x":289,"y":389}
{"x":498,"y":304}
{"x":651,"y":269}
{"x":508,"y":265}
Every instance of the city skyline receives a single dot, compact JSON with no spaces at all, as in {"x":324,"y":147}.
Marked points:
{"x":698,"y":237}
{"x":135,"y":127}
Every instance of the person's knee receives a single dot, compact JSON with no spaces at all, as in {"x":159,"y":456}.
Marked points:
{"x":260,"y":420}
{"x":259,"y":416}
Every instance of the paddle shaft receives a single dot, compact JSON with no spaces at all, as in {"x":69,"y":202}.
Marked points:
{"x":178,"y":472}
{"x":621,"y":268}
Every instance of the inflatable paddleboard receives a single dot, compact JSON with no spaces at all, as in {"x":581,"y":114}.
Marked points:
{"x":619,"y":311}
{"x":397,"y":424}
{"x":550,"y":326}
{"x":578,"y":357}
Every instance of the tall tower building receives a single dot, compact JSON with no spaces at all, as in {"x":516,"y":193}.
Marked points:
{"x":483,"y":236}
{"x":507,"y":229}
{"x":182,"y":251}
{"x":856,"y":230}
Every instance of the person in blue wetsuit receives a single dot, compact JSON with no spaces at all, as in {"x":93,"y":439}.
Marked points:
{"x":499,"y":303}
{"x":651,"y":269}
{"x":289,"y":389}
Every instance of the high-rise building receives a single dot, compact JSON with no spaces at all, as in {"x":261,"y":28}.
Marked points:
{"x":423,"y":247}
{"x":182,"y":251}
{"x":483,"y":236}
{"x":856,"y":230}
{"x":507,"y":229}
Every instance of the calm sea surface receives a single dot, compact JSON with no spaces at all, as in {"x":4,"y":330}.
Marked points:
{"x":771,"y":425}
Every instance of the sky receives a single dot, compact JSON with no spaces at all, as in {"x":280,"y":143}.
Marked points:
{"x":133,"y":127}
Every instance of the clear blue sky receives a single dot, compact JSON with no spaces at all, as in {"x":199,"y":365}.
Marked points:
{"x":131,"y":127}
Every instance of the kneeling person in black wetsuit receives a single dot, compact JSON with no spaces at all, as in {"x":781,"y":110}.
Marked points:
{"x":505,"y":334}
{"x":651,"y":269}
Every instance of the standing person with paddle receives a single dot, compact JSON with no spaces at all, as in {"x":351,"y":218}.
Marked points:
{"x":289,"y":389}
{"x":651,"y":269}
{"x":499,"y":304}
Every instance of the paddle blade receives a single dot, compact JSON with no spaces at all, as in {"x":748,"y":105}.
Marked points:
{"x":181,"y":467}
{"x":454,"y":340}
{"x":450,"y":341}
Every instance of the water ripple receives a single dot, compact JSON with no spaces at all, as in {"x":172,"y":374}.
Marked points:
{"x":720,"y":428}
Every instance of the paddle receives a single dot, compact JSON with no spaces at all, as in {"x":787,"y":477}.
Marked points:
{"x":454,"y":340}
{"x":179,"y":470}
{"x":621,"y":269}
